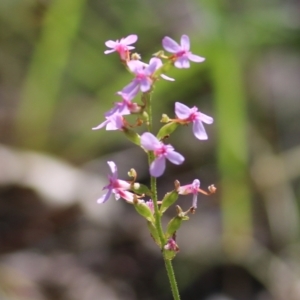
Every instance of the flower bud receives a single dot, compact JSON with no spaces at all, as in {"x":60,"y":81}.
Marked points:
{"x":154,"y":233}
{"x":173,"y":226}
{"x":212,"y":189}
{"x":177,"y":185}
{"x":132,"y":173}
{"x":132,"y":136}
{"x":165,"y":119}
{"x":166,"y":130}
{"x":140,"y":189}
{"x":143,"y":209}
{"x":168,"y":200}
{"x":135,"y":56}
{"x":171,"y":248}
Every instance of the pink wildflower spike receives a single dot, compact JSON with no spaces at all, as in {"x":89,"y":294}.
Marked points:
{"x":182,"y":54}
{"x":143,"y":75}
{"x":192,"y":188}
{"x":116,"y":186}
{"x":161,"y":152}
{"x":121,"y":46}
{"x":192,"y":115}
{"x":112,"y":122}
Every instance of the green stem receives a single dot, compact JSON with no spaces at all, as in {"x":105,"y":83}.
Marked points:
{"x":157,"y":214}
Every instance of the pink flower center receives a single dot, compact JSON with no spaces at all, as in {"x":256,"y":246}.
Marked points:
{"x":181,"y":53}
{"x":161,"y":151}
{"x":140,"y":76}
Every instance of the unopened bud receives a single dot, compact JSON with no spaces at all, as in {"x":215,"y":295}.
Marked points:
{"x":132,"y":173}
{"x":135,"y":56}
{"x":165,"y":119}
{"x":132,"y":136}
{"x":212,"y":189}
{"x":177,"y":185}
{"x":140,"y":189}
{"x":168,"y":200}
{"x":166,"y":130}
{"x":159,"y":53}
{"x":143,"y":209}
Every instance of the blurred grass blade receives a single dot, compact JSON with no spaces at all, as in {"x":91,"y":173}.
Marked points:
{"x":232,"y":141}
{"x":43,"y":81}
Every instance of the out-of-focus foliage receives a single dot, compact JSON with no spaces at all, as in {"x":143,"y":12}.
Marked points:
{"x":56,"y":84}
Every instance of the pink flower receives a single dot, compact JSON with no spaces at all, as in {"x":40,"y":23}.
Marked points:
{"x":150,"y":205}
{"x":192,"y":115}
{"x":161,"y":152}
{"x":182,"y":53}
{"x":171,"y":245}
{"x":193,"y":188}
{"x":121,"y":46}
{"x":113,"y":122}
{"x":143,"y":75}
{"x":116,"y":186}
{"x":126,"y":107}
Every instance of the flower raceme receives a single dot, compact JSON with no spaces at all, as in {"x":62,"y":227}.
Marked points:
{"x":122,"y":46}
{"x":187,"y":115}
{"x":161,"y":153}
{"x":181,"y":53}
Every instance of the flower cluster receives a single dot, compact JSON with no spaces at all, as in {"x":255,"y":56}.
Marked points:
{"x":144,"y":77}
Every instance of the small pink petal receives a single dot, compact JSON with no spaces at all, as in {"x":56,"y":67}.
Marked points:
{"x":185,"y":42}
{"x":205,"y":118}
{"x":101,"y":125}
{"x":109,"y":51}
{"x":195,"y":58}
{"x":145,"y":85}
{"x":170,"y":45}
{"x":199,"y":130}
{"x":113,"y":169}
{"x":182,"y":63}
{"x":105,"y":197}
{"x":130,"y":39}
{"x":175,"y":157}
{"x":149,"y":141}
{"x":158,"y":166}
{"x":110,"y":44}
{"x":167,"y":77}
{"x":182,"y":111}
{"x":131,"y":88}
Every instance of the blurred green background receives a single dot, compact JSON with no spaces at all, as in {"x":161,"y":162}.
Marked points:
{"x":56,"y":84}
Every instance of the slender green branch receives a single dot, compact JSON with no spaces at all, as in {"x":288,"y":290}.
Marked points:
{"x":172,"y":279}
{"x":157,"y":214}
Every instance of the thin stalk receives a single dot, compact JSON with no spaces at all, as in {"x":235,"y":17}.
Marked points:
{"x":157,"y":214}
